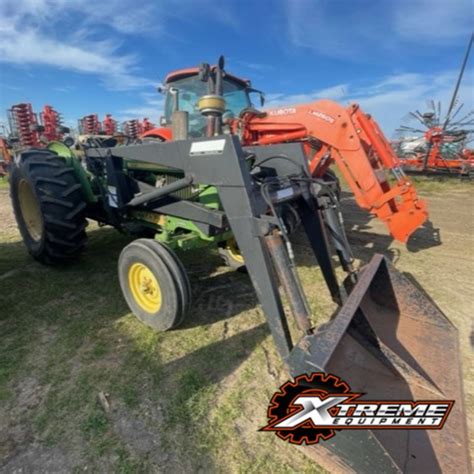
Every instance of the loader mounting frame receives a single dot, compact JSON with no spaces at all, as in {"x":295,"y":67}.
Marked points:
{"x":246,"y":212}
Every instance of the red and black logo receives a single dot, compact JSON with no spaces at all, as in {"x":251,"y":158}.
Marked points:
{"x":313,"y":407}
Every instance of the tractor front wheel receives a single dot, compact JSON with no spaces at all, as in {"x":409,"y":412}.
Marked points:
{"x":154,"y":284}
{"x":49,"y":207}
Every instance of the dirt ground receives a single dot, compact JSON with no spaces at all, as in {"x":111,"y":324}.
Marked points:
{"x":190,"y":400}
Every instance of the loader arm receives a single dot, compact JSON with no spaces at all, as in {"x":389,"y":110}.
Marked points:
{"x":355,"y":143}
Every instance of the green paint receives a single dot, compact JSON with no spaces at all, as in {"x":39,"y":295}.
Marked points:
{"x":209,"y":197}
{"x":183,"y":234}
{"x":174,"y":231}
{"x":82,"y":175}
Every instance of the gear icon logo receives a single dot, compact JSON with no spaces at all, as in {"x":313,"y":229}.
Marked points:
{"x":282,"y":407}
{"x":313,"y":408}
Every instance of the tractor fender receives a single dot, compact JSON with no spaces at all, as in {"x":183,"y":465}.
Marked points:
{"x":164,"y":133}
{"x":71,"y":159}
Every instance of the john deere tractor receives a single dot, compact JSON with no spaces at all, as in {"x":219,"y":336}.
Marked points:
{"x":210,"y":191}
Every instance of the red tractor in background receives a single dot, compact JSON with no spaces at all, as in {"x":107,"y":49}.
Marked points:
{"x":331,"y":134}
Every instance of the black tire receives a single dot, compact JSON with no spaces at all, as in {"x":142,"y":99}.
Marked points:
{"x":177,"y":269}
{"x":43,"y":184}
{"x":148,"y":256}
{"x":230,"y":254}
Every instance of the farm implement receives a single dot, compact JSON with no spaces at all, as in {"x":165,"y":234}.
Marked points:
{"x":195,"y":184}
{"x":437,"y":145}
{"x":136,"y":128}
{"x":91,"y":127}
{"x":26,"y":130}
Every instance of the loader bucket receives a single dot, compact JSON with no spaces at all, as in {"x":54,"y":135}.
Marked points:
{"x":390,"y":342}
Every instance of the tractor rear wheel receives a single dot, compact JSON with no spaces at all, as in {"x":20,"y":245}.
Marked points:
{"x":154,"y":284}
{"x":49,"y":207}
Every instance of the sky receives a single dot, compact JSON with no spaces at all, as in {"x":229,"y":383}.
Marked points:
{"x":84,"y":56}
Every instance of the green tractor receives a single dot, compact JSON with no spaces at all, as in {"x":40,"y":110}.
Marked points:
{"x":53,"y":194}
{"x":198,"y":192}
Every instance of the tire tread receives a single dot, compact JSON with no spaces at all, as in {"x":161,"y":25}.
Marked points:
{"x":61,"y":203}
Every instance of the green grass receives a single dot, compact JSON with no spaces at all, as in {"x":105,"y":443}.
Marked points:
{"x":428,"y":184}
{"x":187,"y":400}
{"x":3,"y":182}
{"x":199,"y":394}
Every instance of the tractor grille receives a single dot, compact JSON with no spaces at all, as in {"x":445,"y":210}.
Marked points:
{"x":186,"y":193}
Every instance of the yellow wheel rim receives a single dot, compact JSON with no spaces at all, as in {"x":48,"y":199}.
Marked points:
{"x":30,"y":210}
{"x":145,"y":288}
{"x":234,"y":251}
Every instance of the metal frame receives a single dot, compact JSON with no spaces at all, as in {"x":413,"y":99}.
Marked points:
{"x":246,"y":212}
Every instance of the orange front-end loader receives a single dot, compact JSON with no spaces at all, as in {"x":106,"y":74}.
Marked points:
{"x":353,"y":141}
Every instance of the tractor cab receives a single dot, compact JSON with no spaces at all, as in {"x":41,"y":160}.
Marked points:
{"x":184,"y":88}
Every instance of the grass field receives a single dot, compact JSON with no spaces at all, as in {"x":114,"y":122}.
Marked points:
{"x":190,"y":400}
